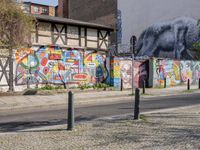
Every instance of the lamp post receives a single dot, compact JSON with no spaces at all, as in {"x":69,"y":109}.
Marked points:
{"x":132,"y":46}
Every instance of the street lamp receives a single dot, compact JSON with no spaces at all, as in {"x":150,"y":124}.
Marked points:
{"x":132,"y":47}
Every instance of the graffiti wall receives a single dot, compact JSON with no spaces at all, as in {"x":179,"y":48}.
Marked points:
{"x":175,"y":72}
{"x":190,"y":70}
{"x":141,"y":72}
{"x":126,"y":73}
{"x":122,"y":72}
{"x":51,"y":64}
{"x":115,"y":74}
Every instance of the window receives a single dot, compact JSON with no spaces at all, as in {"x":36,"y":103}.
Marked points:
{"x":44,"y":11}
{"x":36,"y":9}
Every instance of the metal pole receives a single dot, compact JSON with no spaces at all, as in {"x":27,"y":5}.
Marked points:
{"x":137,"y":102}
{"x":70,"y":120}
{"x":121,"y":84}
{"x":132,"y":73}
{"x":165,"y":83}
{"x":132,"y":47}
{"x":143,"y":86}
{"x":199,"y":83}
{"x":188,"y":84}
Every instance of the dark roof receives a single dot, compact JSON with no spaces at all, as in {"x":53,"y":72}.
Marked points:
{"x":70,"y":22}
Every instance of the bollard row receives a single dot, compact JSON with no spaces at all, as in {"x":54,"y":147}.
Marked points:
{"x":70,"y":120}
{"x":137,"y":102}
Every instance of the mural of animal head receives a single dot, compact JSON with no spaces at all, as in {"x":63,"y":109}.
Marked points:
{"x":170,"y":39}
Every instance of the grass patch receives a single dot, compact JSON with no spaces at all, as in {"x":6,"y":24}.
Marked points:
{"x":159,"y":87}
{"x":95,"y":87}
{"x":190,"y":91}
{"x":128,"y":123}
{"x":50,"y":87}
{"x":143,"y":117}
{"x":146,"y":94}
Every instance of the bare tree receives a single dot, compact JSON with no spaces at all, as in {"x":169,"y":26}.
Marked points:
{"x":15,"y":31}
{"x":195,"y":49}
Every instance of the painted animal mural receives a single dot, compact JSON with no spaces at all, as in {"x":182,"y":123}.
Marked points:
{"x":51,"y":64}
{"x":170,"y":39}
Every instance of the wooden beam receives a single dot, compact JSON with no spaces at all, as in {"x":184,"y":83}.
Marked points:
{"x":36,"y":32}
{"x":85,"y":37}
{"x":52,"y":33}
{"x":79,"y":35}
{"x":98,"y":46}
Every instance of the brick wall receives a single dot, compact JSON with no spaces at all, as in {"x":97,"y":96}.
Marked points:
{"x":62,"y":9}
{"x":99,"y":11}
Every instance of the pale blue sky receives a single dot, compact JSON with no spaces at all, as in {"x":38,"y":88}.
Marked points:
{"x":46,"y":2}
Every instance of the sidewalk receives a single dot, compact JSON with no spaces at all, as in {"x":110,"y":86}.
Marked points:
{"x":14,"y":103}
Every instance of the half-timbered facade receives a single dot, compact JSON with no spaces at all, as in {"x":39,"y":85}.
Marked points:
{"x":70,"y":33}
{"x":63,"y":52}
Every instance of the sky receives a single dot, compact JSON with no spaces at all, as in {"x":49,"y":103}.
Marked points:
{"x":46,"y":2}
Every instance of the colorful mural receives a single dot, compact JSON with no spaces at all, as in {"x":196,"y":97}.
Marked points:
{"x":126,"y":73}
{"x":115,"y":75}
{"x":175,"y":72}
{"x":95,"y":66}
{"x":122,"y":70}
{"x":51,"y":64}
{"x":190,"y":70}
{"x":140,"y":73}
{"x":166,"y":69}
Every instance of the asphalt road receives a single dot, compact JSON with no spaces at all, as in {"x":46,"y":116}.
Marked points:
{"x":46,"y":117}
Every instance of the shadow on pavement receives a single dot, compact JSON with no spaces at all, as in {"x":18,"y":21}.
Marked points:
{"x":20,"y":126}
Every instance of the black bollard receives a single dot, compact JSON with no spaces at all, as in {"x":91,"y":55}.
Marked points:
{"x":188,"y":84}
{"x":121,"y":85}
{"x":137,"y":102}
{"x":199,"y":83}
{"x":165,"y":83}
{"x":70,"y":120}
{"x":143,"y":86}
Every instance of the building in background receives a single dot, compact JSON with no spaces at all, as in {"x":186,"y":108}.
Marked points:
{"x":96,"y":11}
{"x":62,"y":10}
{"x":34,"y":8}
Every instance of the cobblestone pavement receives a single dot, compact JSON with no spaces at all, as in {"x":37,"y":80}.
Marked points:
{"x":172,"y":130}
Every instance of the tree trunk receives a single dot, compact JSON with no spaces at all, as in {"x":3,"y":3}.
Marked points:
{"x":11,"y":85}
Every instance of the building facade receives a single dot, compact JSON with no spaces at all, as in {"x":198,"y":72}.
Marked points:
{"x":98,"y":11}
{"x":63,"y":52}
{"x":70,"y":33}
{"x":34,"y":8}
